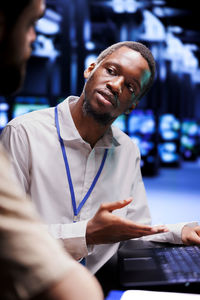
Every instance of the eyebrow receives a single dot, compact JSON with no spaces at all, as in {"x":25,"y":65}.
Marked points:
{"x":118,"y":66}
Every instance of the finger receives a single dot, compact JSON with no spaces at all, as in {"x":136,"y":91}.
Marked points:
{"x":148,"y":232}
{"x":194,"y":239}
{"x":160,"y":228}
{"x":115,"y":205}
{"x":190,"y":235}
{"x":153,"y":230}
{"x":157,"y":229}
{"x":197,"y":230}
{"x":137,"y":227}
{"x":146,"y":229}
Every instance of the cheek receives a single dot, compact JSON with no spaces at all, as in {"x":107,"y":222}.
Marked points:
{"x":90,"y":85}
{"x":18,"y":49}
{"x":24,"y":52}
{"x":21,"y":54}
{"x":24,"y":46}
{"x":126,"y":100}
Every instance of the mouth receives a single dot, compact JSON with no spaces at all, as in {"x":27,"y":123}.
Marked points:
{"x":108,"y":97}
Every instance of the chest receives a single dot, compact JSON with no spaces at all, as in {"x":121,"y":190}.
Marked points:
{"x":50,"y":184}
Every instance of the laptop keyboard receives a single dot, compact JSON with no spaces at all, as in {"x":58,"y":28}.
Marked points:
{"x":181,"y":263}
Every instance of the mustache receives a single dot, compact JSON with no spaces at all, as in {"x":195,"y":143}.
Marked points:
{"x":108,"y":95}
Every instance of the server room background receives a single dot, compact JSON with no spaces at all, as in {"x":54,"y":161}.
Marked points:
{"x":166,"y":124}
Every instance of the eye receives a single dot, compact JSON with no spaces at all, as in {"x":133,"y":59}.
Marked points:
{"x":111,"y":71}
{"x":131,"y":88}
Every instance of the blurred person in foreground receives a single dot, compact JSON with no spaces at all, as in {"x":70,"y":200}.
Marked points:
{"x":32,"y":264}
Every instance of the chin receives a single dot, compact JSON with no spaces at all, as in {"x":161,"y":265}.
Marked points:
{"x":101,"y":118}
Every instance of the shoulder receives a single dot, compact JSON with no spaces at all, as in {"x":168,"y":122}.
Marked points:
{"x":124,"y":140}
{"x":33,"y":118}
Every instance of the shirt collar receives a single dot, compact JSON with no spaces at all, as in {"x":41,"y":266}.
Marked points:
{"x":68,"y":129}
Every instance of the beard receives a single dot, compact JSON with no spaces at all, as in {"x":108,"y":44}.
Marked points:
{"x":102,"y":119}
{"x":11,"y":79}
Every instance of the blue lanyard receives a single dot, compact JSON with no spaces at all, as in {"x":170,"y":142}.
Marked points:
{"x":76,"y":209}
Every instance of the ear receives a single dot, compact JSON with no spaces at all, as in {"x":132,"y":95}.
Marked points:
{"x":134,"y":105}
{"x":131,"y":108}
{"x":89,"y":70}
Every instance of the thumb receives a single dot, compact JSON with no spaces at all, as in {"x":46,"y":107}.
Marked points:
{"x":116,"y":205}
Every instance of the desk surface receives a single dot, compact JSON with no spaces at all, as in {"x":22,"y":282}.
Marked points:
{"x":150,"y":295}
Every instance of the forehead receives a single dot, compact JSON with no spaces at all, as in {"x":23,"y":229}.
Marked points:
{"x":35,"y":10}
{"x":125,"y":56}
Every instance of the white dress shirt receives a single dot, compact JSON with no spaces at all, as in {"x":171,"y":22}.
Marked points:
{"x":33,"y":143}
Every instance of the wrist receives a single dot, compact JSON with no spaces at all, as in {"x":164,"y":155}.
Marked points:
{"x":89,"y":231}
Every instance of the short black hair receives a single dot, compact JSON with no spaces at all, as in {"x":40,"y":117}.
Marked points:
{"x":12,"y":9}
{"x":136,"y":46}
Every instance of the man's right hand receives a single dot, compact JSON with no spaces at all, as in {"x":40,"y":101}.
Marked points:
{"x":106,"y":228}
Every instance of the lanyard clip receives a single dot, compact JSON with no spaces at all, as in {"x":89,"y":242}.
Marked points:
{"x":75,"y":219}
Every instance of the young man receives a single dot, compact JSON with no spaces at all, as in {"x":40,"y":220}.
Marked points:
{"x":32,"y":264}
{"x":83,"y":173}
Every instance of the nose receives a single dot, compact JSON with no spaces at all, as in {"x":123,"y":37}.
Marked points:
{"x":32,"y":35}
{"x":116,"y":85}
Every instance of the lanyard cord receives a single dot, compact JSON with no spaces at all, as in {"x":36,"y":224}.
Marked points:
{"x":75,"y":209}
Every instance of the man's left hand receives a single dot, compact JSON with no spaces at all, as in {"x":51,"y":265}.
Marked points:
{"x":191,"y":235}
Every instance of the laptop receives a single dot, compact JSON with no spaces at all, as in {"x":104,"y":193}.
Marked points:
{"x":158,"y":266}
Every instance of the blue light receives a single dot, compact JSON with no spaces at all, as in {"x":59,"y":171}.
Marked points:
{"x":168,"y":152}
{"x":118,"y":6}
{"x":130,"y":6}
{"x":3,"y":119}
{"x":91,"y":58}
{"x":4,"y":106}
{"x":90,"y":45}
{"x":170,"y":147}
{"x":169,"y":157}
{"x":169,"y":127}
{"x":148,"y":126}
{"x":169,"y":135}
{"x":136,"y":140}
{"x":190,"y":128}
{"x":87,"y":31}
{"x":120,"y":122}
{"x":187,"y":142}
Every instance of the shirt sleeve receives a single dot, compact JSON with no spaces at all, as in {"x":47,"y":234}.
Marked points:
{"x":30,"y":260}
{"x":72,"y":237}
{"x":173,"y":236}
{"x":138,"y":211}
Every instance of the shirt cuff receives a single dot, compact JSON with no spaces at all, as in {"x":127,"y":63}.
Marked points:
{"x":73,"y":238}
{"x":176,"y":230}
{"x":173,"y":236}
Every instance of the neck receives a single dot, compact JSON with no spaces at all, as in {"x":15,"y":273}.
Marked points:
{"x":89,"y":129}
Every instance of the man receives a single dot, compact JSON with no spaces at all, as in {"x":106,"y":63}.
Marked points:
{"x":83,"y":173}
{"x":32,"y":264}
